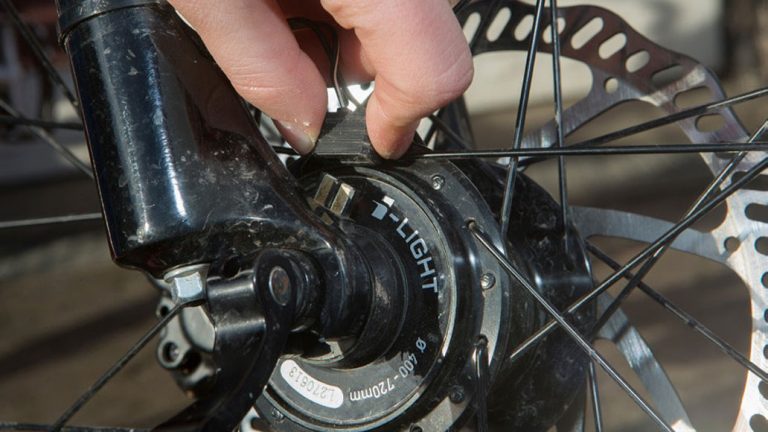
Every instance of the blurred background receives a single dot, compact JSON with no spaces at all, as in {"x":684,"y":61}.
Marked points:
{"x":67,"y":312}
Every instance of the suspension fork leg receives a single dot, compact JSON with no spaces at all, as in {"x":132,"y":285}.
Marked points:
{"x":183,"y":173}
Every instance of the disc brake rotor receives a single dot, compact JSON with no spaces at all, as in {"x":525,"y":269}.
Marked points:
{"x":644,"y":71}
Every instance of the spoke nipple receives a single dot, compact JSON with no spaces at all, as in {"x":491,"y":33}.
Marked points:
{"x":487,"y":281}
{"x":280,"y":285}
{"x":438,"y":182}
{"x":457,"y":394}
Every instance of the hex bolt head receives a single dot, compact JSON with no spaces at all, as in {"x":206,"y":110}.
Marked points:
{"x":457,"y":394}
{"x":487,"y":281}
{"x":280,"y":285}
{"x":187,"y":284}
{"x":438,"y":182}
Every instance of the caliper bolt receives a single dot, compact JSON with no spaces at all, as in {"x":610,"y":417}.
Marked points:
{"x":457,"y":394}
{"x":187,"y":284}
{"x":280,"y":285}
{"x":438,"y":182}
{"x":487,"y":281}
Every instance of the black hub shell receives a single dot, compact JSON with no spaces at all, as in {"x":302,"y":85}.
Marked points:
{"x":444,"y":311}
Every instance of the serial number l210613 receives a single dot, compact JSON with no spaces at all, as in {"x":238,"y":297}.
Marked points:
{"x":312,"y":389}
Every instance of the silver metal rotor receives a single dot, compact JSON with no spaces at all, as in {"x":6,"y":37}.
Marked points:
{"x":618,"y":79}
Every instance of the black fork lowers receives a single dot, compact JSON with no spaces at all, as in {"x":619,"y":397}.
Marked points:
{"x":183,"y":173}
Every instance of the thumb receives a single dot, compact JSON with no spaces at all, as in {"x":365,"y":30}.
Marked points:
{"x":254,"y":46}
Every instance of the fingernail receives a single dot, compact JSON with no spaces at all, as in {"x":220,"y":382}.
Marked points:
{"x":298,"y":136}
{"x":398,"y":150}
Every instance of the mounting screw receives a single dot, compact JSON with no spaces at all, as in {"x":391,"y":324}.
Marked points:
{"x":457,"y":394}
{"x":415,"y":428}
{"x":280,"y":285}
{"x":278,"y":416}
{"x":438,"y":182}
{"x":487,"y":281}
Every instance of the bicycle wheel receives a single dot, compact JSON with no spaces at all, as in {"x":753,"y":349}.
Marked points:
{"x":540,"y":394}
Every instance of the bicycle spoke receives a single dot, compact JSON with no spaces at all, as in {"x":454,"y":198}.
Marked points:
{"x":522,"y":110}
{"x":563,"y":323}
{"x":40,"y":55}
{"x":49,"y":220}
{"x":115,"y":368}
{"x":15,"y":426}
{"x":52,"y":142}
{"x":683,"y":316}
{"x":594,"y":391}
{"x":11,"y":120}
{"x":557,"y":82}
{"x":588,"y":151}
{"x":715,"y":185}
{"x":663,"y":121}
{"x":480,"y":357}
{"x":538,"y":155}
{"x":665,"y":238}
{"x":433,"y":129}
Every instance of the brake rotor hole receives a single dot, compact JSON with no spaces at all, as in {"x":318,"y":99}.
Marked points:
{"x":667,"y":76}
{"x":710,"y":123}
{"x":693,"y":97}
{"x":637,"y":61}
{"x":611,"y":85}
{"x":498,"y":24}
{"x":524,"y":28}
{"x":471,"y":25}
{"x":761,"y":245}
{"x":758,"y":423}
{"x":764,"y":280}
{"x":613,"y":45}
{"x":732,"y":244}
{"x":586,"y":33}
{"x":547,"y":35}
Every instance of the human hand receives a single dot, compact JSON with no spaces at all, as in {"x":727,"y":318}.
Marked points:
{"x":413,"y":49}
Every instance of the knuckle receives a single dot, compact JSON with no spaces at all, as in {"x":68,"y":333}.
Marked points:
{"x":263,"y":82}
{"x":444,"y":85}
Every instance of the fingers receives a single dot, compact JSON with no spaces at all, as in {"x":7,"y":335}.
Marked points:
{"x":420,"y":58}
{"x":253,"y":44}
